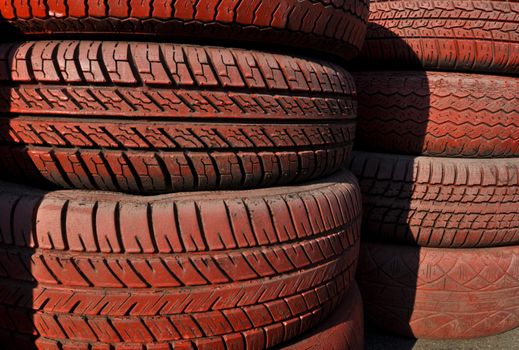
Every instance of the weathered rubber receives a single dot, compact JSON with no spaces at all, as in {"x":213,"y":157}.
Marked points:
{"x":438,"y":114}
{"x":475,"y":36}
{"x":344,"y":330}
{"x":334,"y":26}
{"x":206,"y":270}
{"x":149,"y":118}
{"x":263,"y":325}
{"x":440,"y":293}
{"x":439,"y":202}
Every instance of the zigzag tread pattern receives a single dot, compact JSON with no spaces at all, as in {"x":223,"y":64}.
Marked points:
{"x":180,"y":270}
{"x":281,"y":306}
{"x":439,"y":202}
{"x":155,"y":302}
{"x":399,"y":281}
{"x":308,"y":23}
{"x":267,"y":336}
{"x":191,"y":269}
{"x":73,"y":133}
{"x":438,"y":114}
{"x":467,"y":35}
{"x":173,"y":105}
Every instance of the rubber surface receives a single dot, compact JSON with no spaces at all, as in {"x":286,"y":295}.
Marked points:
{"x":150,"y":118}
{"x":205,"y":270}
{"x":344,"y":330}
{"x":438,"y":114}
{"x":440,"y":293}
{"x":475,"y":36}
{"x":334,"y":26}
{"x":439,"y":202}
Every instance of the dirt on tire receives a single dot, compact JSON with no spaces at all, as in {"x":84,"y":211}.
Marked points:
{"x":207,"y":269}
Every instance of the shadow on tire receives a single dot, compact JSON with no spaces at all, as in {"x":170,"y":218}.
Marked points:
{"x":17,"y":216}
{"x":393,"y":114}
{"x":15,"y":159}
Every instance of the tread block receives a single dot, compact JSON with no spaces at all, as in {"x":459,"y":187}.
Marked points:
{"x":473,"y":36}
{"x":439,"y":202}
{"x":438,"y":114}
{"x":150,"y":118}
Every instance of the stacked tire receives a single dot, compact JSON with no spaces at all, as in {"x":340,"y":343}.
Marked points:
{"x":438,"y":162}
{"x":166,"y":194}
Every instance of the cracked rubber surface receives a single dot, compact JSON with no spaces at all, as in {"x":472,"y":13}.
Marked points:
{"x":438,"y":114}
{"x":150,"y":118}
{"x":209,"y":270}
{"x":334,"y":26}
{"x":439,"y":202}
{"x":475,"y":36}
{"x":344,"y":330}
{"x":440,"y":293}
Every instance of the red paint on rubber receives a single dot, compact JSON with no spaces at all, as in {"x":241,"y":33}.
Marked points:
{"x":334,"y":26}
{"x":438,"y":114}
{"x":440,"y":293}
{"x":205,"y":269}
{"x":344,"y":330}
{"x":475,"y":36}
{"x":151,"y":118}
{"x":439,"y":202}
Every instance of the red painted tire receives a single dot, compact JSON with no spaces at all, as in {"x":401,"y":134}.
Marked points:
{"x":464,"y":35}
{"x":440,"y":293}
{"x":334,"y":26}
{"x":344,"y":330}
{"x":150,"y":118}
{"x":439,"y":202}
{"x":438,"y":114}
{"x":208,"y":269}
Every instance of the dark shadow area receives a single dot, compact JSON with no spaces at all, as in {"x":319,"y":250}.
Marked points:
{"x":377,"y":340}
{"x":18,"y":211}
{"x":383,"y":45}
{"x":180,"y":32}
{"x":18,"y":280}
{"x":17,"y":96}
{"x":8,"y":32}
{"x":393,"y":115}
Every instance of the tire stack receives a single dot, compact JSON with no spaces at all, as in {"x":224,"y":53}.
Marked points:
{"x":178,"y":196}
{"x":437,"y":160}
